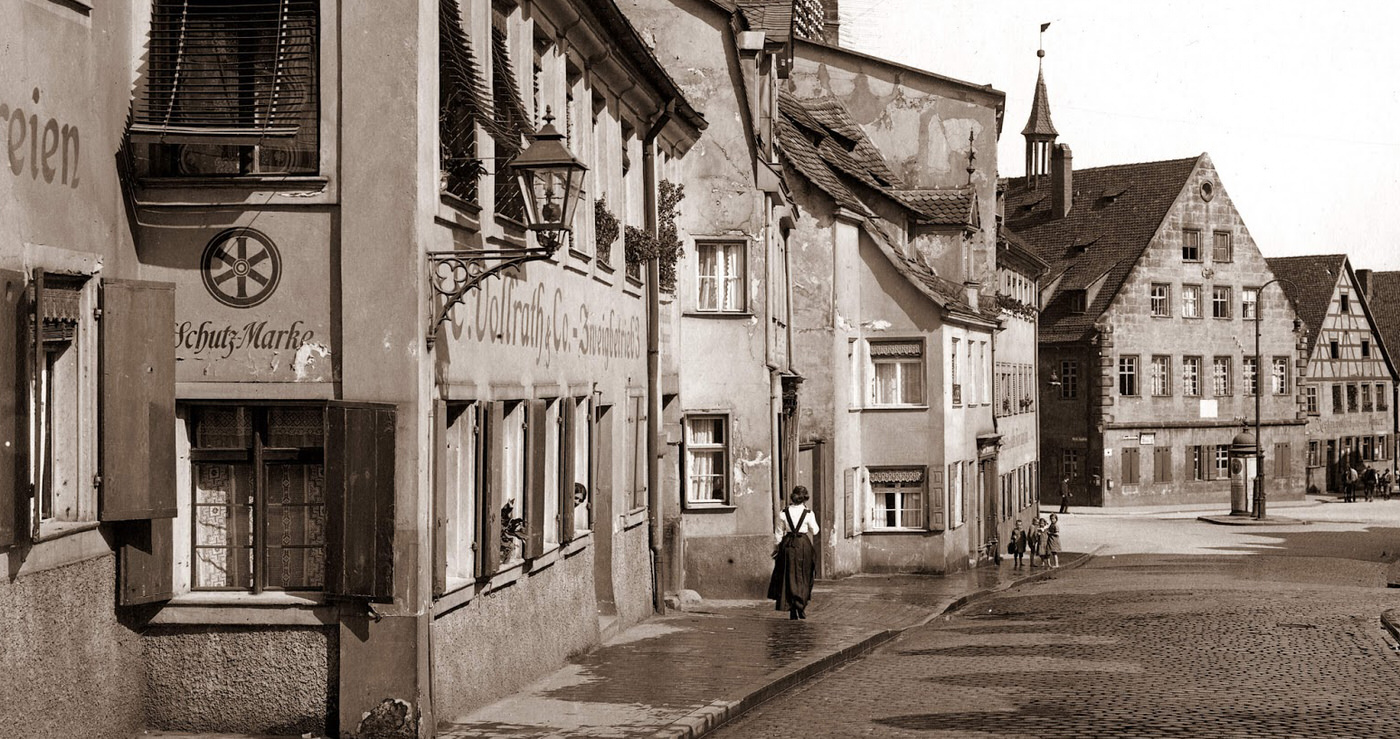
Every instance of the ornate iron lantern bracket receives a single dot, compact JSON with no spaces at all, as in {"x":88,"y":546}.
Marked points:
{"x":453,"y":274}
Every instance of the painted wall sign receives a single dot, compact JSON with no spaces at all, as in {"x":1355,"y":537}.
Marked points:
{"x":539,"y":317}
{"x":45,"y":147}
{"x":241,"y":267}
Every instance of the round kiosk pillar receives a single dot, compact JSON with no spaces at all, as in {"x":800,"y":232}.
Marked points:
{"x":1242,"y":451}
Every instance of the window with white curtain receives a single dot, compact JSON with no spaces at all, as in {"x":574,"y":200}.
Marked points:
{"x":719,"y":276}
{"x":707,"y":460}
{"x":897,"y":372}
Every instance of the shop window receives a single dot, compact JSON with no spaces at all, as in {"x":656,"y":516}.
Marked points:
{"x":294,"y":497}
{"x":230,"y":89}
{"x":1190,"y":301}
{"x":897,"y":499}
{"x":896,"y":373}
{"x":707,"y":450}
{"x":720,"y":277}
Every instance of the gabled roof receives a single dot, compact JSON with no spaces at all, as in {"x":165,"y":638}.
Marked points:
{"x":843,"y":144}
{"x":943,"y":292}
{"x":956,"y":207}
{"x":1100,"y":237}
{"x":1039,"y":122}
{"x":1309,"y":282}
{"x":1384,"y":300}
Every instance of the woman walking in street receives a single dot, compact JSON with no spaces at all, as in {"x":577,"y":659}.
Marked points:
{"x":794,"y":560}
{"x":1052,"y":540}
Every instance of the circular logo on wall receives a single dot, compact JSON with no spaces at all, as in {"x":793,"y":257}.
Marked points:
{"x":241,"y":267}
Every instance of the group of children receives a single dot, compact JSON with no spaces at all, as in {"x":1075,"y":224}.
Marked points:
{"x":1041,"y":541}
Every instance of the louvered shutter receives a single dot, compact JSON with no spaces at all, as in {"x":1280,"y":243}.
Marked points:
{"x":137,"y":401}
{"x":462,"y":102}
{"x":536,"y":449}
{"x":490,"y":458}
{"x":12,"y":421}
{"x":360,"y":500}
{"x":567,"y":473}
{"x":233,"y":72}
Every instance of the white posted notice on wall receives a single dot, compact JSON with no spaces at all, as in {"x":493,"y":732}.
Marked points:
{"x":1210,"y":408}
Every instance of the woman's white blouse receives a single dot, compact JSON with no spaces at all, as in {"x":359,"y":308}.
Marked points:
{"x":808,"y":526}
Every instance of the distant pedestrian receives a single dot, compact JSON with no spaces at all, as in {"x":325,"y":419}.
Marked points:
{"x":1385,"y":484}
{"x":1349,"y":484}
{"x":794,"y":559}
{"x":1052,"y":540}
{"x":1064,"y":495}
{"x":1017,"y":545}
{"x":1368,"y":483}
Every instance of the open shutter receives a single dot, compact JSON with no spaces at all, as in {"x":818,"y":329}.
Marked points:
{"x":12,"y":421}
{"x":490,"y":456}
{"x":937,"y":502}
{"x":567,"y":441}
{"x":145,"y":561}
{"x":360,"y":500}
{"x":537,"y":447}
{"x":851,"y":495}
{"x":137,"y":401}
{"x":440,"y":512}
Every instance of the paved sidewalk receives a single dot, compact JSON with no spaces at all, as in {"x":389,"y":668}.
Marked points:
{"x":683,"y":674}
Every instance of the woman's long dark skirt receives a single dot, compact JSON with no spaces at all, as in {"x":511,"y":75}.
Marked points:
{"x":793,"y":569}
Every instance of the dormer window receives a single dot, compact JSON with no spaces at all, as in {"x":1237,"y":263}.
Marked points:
{"x":1078,"y":301}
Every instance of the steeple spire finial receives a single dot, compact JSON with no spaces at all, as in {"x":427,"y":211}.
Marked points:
{"x":1040,"y":132}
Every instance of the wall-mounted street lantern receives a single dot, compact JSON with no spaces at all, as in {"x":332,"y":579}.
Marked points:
{"x":551,"y":179}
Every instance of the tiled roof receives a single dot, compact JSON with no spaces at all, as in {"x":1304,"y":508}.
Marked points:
{"x":1384,"y":300}
{"x":773,"y":17}
{"x":941,"y":207}
{"x":844,"y":144}
{"x":1100,"y":237}
{"x":942,"y":291}
{"x":803,"y":155}
{"x":1039,"y":123}
{"x":1309,"y":282}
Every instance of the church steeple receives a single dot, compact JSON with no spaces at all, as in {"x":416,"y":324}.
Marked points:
{"x":1040,"y":132}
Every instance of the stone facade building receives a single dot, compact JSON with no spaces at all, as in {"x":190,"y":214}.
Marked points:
{"x":1349,"y":384}
{"x":394,"y":426}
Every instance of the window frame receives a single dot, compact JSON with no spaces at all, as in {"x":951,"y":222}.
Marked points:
{"x":1128,"y":381}
{"x":1222,"y":371}
{"x":1310,"y":400}
{"x":725,"y":452}
{"x":1191,"y":384}
{"x":1229,"y":247}
{"x":902,"y":364}
{"x":1161,"y":375}
{"x":1160,"y":299}
{"x":1191,"y":245}
{"x":1222,"y":301}
{"x":1249,"y":302}
{"x":1191,"y":301}
{"x":1069,"y":379}
{"x":1249,"y":376}
{"x":879,"y":490}
{"x":740,"y":280}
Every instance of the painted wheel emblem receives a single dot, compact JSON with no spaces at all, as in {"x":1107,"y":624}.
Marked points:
{"x":241,"y":267}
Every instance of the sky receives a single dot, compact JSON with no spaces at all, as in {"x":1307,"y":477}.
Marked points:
{"x":1297,"y":103}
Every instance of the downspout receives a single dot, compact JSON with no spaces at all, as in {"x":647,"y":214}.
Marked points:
{"x":654,"y":456}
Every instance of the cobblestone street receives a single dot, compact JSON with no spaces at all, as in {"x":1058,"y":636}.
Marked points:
{"x":1283,"y":643}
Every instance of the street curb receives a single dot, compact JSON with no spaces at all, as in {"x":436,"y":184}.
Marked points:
{"x":703,"y":720}
{"x":1391,"y":621}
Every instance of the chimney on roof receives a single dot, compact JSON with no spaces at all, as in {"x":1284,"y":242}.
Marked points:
{"x":973,"y":291}
{"x":1061,"y":181}
{"x":1363,"y":278}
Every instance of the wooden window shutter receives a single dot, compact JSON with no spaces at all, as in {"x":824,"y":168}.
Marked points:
{"x":851,"y":502}
{"x":440,"y":511}
{"x":1162,"y":464}
{"x":12,"y":421}
{"x":536,"y":447}
{"x":567,"y":441}
{"x":1130,"y":472}
{"x":937,"y":503}
{"x":137,"y":401}
{"x":145,"y":561}
{"x":490,"y":458}
{"x":360,"y":500}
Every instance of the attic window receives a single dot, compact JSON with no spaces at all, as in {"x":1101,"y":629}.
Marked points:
{"x":1083,"y":243}
{"x":1113,"y":193}
{"x":1207,"y":191}
{"x":1078,"y":301}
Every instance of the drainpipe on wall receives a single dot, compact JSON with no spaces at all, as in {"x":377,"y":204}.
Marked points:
{"x":654,"y":457}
